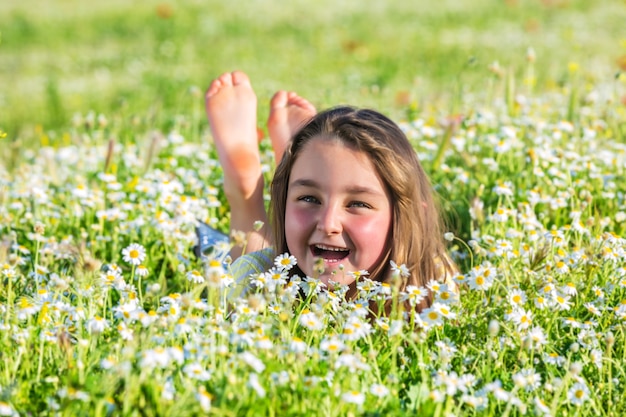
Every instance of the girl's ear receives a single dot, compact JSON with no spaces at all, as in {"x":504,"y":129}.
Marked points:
{"x":424,"y":204}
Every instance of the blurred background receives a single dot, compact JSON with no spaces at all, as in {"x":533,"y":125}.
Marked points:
{"x":126,"y":58}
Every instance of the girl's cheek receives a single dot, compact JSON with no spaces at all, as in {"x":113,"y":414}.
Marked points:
{"x":372,"y":226}
{"x":296,"y":217}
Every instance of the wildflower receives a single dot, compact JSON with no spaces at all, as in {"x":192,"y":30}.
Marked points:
{"x":527,"y":379}
{"x":96,"y":325}
{"x":195,"y":277}
{"x":379,"y":390}
{"x":400,"y":270}
{"x":358,"y":275}
{"x":578,"y":394}
{"x":312,"y":285}
{"x":353,"y":397}
{"x":503,"y":188}
{"x":561,"y":301}
{"x":414,"y":294}
{"x":445,"y":295}
{"x":431,"y":316}
{"x":517,"y":297}
{"x":554,"y":358}
{"x":280,"y":378}
{"x":355,"y":329}
{"x":481,"y":277}
{"x":196,"y":371}
{"x":522,"y":318}
{"x":285,"y":261}
{"x":596,"y":358}
{"x":153,"y":358}
{"x":297,"y":345}
{"x":134,"y":254}
{"x":332,"y":345}
{"x":204,"y":399}
{"x":443,"y":310}
{"x":125,"y":332}
{"x":255,"y":363}
{"x":541,"y":408}
{"x":264,"y":342}
{"x":352,"y":362}
{"x":7,"y":409}
{"x":275,"y":278}
{"x":142,"y":271}
{"x":214,"y":273}
{"x":253,"y":382}
{"x":536,"y":337}
{"x":310,"y":321}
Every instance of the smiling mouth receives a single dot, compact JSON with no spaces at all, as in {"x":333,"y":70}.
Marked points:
{"x":330,"y":253}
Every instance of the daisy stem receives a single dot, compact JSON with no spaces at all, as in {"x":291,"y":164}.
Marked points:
{"x":40,"y":364}
{"x":509,"y":406}
{"x":139,"y":285}
{"x":9,"y":304}
{"x":556,"y":400}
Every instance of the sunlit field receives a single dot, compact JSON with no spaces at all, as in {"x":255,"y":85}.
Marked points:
{"x":517,"y":110}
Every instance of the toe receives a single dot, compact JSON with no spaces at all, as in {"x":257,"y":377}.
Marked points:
{"x":279,"y":100}
{"x":239,"y":78}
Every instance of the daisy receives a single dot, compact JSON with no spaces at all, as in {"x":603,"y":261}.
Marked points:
{"x":431,"y":316}
{"x":310,"y":321}
{"x":353,"y":397}
{"x":355,"y":329}
{"x":285,"y":261}
{"x":379,"y":390}
{"x":399,"y":270}
{"x":445,"y":295}
{"x":541,"y":408}
{"x":554,"y":358}
{"x":255,"y":363}
{"x":517,"y":297}
{"x":561,"y":301}
{"x":134,"y":254}
{"x":196,"y":371}
{"x":414,"y":294}
{"x":444,"y":310}
{"x":195,"y":277}
{"x":522,"y":318}
{"x":536,"y":337}
{"x":578,"y":394}
{"x":255,"y":384}
{"x":332,"y":345}
{"x":96,"y":325}
{"x":204,"y":399}
{"x":527,"y":379}
{"x":142,"y":271}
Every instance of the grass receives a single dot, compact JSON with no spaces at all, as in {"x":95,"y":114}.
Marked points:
{"x":116,"y":57}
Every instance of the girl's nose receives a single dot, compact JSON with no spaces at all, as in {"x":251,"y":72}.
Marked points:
{"x":329,"y":221}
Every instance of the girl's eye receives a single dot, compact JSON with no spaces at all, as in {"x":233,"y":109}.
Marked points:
{"x":308,"y":199}
{"x":359,"y":204}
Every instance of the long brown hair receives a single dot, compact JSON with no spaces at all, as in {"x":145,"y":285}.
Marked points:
{"x":416,"y":237}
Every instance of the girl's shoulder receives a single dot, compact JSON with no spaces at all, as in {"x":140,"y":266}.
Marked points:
{"x":242,"y":268}
{"x":252,"y":263}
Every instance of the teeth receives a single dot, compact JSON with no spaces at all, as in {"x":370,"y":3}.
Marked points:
{"x":330,"y":248}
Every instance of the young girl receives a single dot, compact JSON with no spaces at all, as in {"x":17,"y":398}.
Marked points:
{"x":349,"y":194}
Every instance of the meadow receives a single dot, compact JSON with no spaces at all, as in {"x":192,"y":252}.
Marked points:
{"x":517,"y":110}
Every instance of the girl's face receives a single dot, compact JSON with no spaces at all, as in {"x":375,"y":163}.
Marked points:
{"x":337,"y":212}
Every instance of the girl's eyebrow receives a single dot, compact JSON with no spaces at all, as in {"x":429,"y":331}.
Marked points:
{"x":355,"y":189}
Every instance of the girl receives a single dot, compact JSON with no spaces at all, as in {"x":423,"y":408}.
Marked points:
{"x":349,"y":194}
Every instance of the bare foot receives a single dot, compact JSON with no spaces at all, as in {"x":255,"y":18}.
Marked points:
{"x":288,"y":113}
{"x":231,"y":110}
